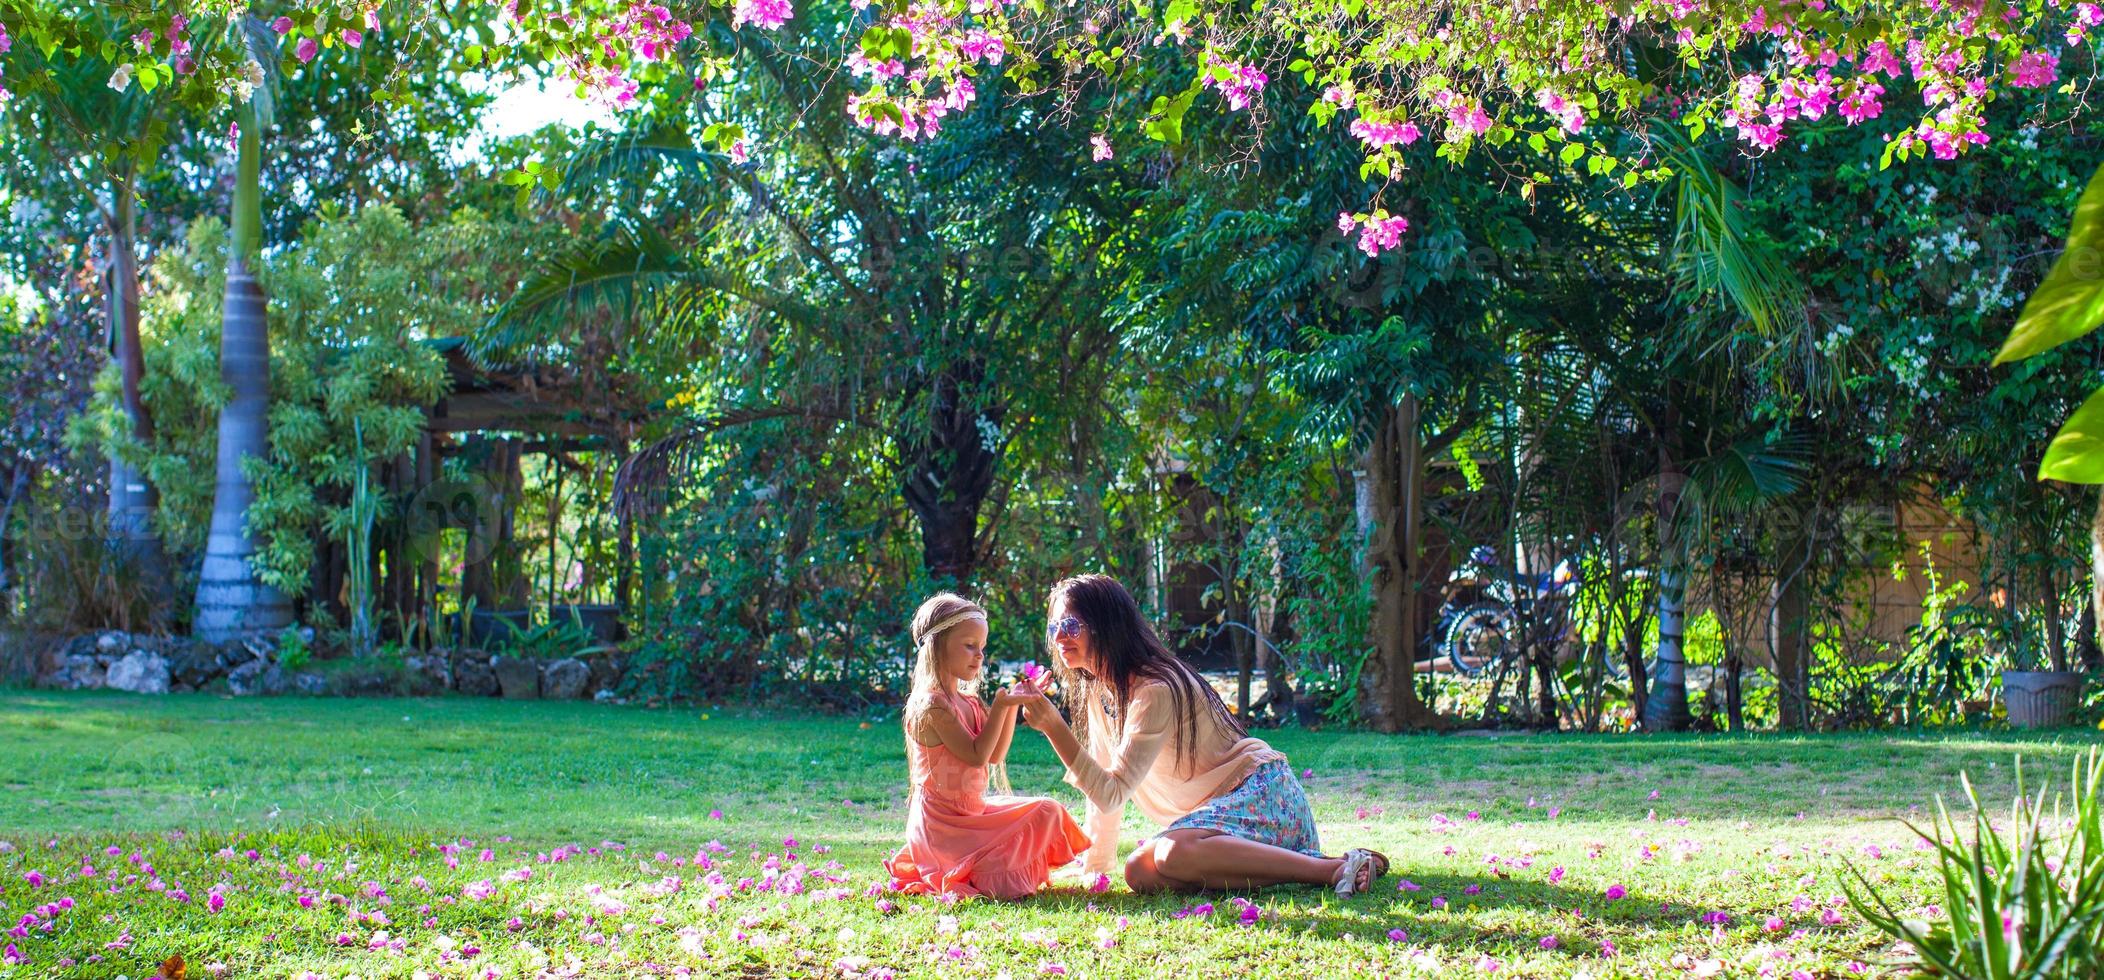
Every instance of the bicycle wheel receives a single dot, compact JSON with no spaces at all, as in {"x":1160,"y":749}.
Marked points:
{"x":1479,"y":636}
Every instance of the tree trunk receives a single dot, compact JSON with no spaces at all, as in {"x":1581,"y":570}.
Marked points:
{"x":427,"y":553}
{"x":18,"y":478}
{"x":131,"y":498}
{"x":1734,"y":691}
{"x":1394,"y":464}
{"x":1667,"y":707}
{"x":950,"y":470}
{"x":2056,"y":631}
{"x":1789,"y":634}
{"x":231,"y":600}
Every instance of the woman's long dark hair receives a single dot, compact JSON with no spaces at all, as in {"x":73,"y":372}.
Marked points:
{"x":1129,"y":652}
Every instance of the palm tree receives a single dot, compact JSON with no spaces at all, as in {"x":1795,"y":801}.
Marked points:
{"x":1715,"y":256}
{"x":231,"y":599}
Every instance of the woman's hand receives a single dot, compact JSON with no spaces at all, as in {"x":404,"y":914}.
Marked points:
{"x":1038,"y":711}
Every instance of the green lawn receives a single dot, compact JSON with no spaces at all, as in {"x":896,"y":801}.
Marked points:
{"x":318,"y":825}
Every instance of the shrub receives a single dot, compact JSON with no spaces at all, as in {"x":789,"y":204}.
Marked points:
{"x":2028,"y":907}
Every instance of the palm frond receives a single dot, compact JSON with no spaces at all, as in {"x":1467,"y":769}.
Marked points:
{"x":635,"y":273}
{"x":1716,"y":251}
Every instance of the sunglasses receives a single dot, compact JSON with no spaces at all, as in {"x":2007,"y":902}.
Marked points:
{"x":1064,"y":628}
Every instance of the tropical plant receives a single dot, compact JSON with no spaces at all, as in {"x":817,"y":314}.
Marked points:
{"x":232,"y":597}
{"x":2031,"y":906}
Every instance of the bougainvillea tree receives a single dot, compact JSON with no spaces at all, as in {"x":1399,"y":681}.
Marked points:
{"x":1544,"y":83}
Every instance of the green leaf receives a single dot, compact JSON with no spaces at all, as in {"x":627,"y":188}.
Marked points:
{"x":149,"y":80}
{"x":1571,"y":152}
{"x":2070,"y":303}
{"x":1166,"y":124}
{"x":1538,"y":143}
{"x":2076,"y":454}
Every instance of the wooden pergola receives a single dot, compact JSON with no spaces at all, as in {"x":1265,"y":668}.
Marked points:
{"x":492,"y":417}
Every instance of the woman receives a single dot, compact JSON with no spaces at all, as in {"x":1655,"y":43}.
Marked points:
{"x":1234,"y":817}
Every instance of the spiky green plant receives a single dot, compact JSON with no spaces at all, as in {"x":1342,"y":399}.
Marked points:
{"x":2031,"y":907}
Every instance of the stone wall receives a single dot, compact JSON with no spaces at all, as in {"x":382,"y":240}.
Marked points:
{"x":251,"y":666}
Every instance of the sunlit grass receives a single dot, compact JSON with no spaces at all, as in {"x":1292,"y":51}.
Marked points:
{"x":1742,"y":828}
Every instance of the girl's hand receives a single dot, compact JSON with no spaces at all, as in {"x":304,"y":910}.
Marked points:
{"x":1014,"y":697}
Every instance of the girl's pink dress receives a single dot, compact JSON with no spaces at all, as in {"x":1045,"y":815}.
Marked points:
{"x":958,"y":840}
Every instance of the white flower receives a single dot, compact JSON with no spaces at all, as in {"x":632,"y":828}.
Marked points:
{"x":121,"y":79}
{"x":253,"y":72}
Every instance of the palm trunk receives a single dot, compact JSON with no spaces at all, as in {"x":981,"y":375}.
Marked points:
{"x":1667,"y":707}
{"x":231,"y":599}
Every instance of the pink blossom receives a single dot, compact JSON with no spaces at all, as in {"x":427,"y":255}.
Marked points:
{"x":306,"y":49}
{"x":1862,"y":102}
{"x":738,"y":152}
{"x":1241,"y":86}
{"x":1101,"y":151}
{"x":1569,"y":113}
{"x":1878,"y":57}
{"x":1378,"y":134}
{"x":1616,"y":893}
{"x":353,"y":38}
{"x":769,"y":14}
{"x":978,"y":44}
{"x":1398,"y":936}
{"x":2036,"y":69}
{"x":282,"y":25}
{"x":1549,"y":942}
{"x":1556,"y":874}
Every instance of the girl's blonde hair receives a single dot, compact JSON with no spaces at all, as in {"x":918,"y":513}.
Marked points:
{"x":941,"y":612}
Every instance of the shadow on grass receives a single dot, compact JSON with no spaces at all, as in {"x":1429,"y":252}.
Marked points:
{"x":1387,"y":898}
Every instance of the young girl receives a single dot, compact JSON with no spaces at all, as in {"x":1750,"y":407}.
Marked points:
{"x":957,"y":839}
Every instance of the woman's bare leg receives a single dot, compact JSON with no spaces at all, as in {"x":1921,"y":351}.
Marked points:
{"x":1193,"y":860}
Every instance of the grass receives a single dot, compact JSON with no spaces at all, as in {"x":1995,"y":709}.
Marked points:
{"x":319,"y":823}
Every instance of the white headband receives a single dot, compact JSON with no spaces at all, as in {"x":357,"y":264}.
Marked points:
{"x":937,"y":629}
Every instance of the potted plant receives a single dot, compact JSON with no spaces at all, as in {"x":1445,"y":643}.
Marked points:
{"x":2038,"y":698}
{"x":602,"y":620}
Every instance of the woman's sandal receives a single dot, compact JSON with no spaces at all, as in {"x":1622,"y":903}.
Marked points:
{"x":1356,"y":861}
